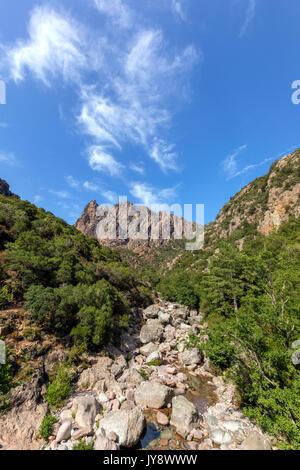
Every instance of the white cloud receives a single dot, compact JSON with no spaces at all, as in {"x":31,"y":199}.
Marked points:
{"x":250,"y":14}
{"x":137,"y":168}
{"x":132,"y":108}
{"x":230,"y":164}
{"x":38,"y":199}
{"x":100,"y":160}
{"x":110,"y":196}
{"x":148,"y":195}
{"x":8,"y":158}
{"x":72,"y":182}
{"x":61,"y":194}
{"x":263,"y":162}
{"x":117,"y":10}
{"x":90,"y":186}
{"x":54,"y":47}
{"x":164,"y":154}
{"x":177,"y":9}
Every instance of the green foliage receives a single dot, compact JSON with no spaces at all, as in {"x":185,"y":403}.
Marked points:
{"x":83,"y":445}
{"x":143,"y":374}
{"x":46,"y":429}
{"x":60,"y":387}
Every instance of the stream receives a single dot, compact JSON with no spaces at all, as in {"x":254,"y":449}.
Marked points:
{"x":156,"y":437}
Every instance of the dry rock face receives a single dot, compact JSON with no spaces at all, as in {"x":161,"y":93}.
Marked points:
{"x":266,"y":202}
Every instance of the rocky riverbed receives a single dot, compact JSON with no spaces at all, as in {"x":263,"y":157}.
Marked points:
{"x":154,"y":393}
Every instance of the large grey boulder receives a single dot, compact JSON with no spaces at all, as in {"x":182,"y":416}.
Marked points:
{"x":191,"y":356}
{"x":169,"y":333}
{"x":296,"y":358}
{"x":296,"y":344}
{"x":86,"y":409}
{"x":185,"y":416}
{"x":153,"y":395}
{"x":151,"y":331}
{"x":64,"y":432}
{"x":127,"y":424}
{"x":148,"y":349}
{"x":256,"y":441}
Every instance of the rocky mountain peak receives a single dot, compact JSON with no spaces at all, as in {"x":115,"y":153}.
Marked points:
{"x":5,"y":191}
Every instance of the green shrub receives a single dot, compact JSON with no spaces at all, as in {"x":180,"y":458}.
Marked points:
{"x":59,"y":388}
{"x":46,"y":429}
{"x":83,"y":445}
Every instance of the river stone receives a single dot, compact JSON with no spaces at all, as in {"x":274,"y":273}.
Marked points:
{"x":296,"y":358}
{"x":127,"y":424}
{"x":153,"y":395}
{"x":148,"y":349}
{"x":191,"y":356}
{"x":64,"y":432}
{"x":103,"y":443}
{"x":152,"y":331}
{"x":86,"y":409}
{"x":155,"y":356}
{"x":162,"y":419}
{"x":184,"y":416}
{"x":218,"y":436}
{"x":256,"y":441}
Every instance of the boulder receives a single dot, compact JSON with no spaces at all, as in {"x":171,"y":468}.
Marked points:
{"x":191,"y":356}
{"x":296,"y":358}
{"x":169,"y":333}
{"x":153,"y":395}
{"x":103,"y":443}
{"x":151,"y":312}
{"x":155,"y":356}
{"x":86,"y":409}
{"x":256,"y":441}
{"x":218,"y":436}
{"x":184,"y":416}
{"x":296,"y":344}
{"x":164,"y":318}
{"x":127,"y":424}
{"x":162,"y":419}
{"x":64,"y":432}
{"x":148,"y":349}
{"x":151,"y":331}
{"x":131,"y":377}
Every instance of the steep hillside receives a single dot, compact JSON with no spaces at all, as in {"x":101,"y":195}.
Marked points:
{"x":5,"y":191}
{"x":263,"y":205}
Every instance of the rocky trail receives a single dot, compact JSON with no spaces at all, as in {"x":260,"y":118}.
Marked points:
{"x":151,"y":392}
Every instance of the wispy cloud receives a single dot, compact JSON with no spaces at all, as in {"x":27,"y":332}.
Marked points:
{"x":8,"y":158}
{"x":230,"y":163}
{"x":148,"y":195}
{"x":138,"y":168}
{"x":38,"y":199}
{"x":90,"y":186}
{"x":250,"y":14}
{"x":177,"y":9}
{"x":116,"y":10}
{"x":100,"y":160}
{"x":72,"y":182}
{"x":62,"y":194}
{"x":127,"y":100}
{"x":54,"y":47}
{"x":110,"y":196}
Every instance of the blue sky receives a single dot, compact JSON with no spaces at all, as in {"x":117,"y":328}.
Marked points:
{"x":174,"y":101}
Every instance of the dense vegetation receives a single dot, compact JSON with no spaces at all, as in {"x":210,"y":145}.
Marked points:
{"x":251,"y":301}
{"x":73,"y":288}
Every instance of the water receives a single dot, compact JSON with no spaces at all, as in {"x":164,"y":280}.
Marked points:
{"x":156,"y":437}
